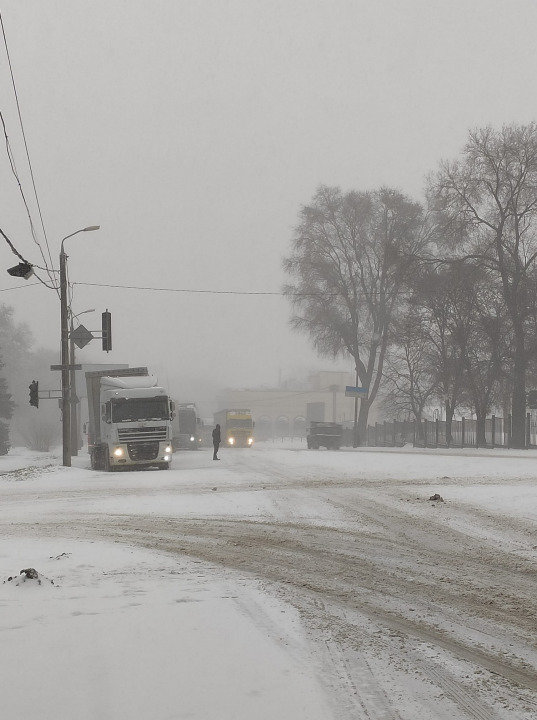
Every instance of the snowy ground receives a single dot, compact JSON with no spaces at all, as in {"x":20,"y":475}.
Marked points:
{"x":279,"y":583}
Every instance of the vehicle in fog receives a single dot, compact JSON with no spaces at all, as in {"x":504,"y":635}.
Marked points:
{"x":130,"y":420}
{"x":324,"y":434}
{"x":186,"y":427}
{"x":236,"y":427}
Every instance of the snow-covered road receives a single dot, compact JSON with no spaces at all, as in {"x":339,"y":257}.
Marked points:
{"x":278,"y":583}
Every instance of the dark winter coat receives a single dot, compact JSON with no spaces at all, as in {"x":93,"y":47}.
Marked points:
{"x":216,"y":434}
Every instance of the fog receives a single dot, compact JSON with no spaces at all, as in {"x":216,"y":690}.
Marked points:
{"x":192,"y":132}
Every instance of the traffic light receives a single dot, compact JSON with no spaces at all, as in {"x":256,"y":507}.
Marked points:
{"x":23,"y":270}
{"x":34,"y":393}
{"x":107,"y":330}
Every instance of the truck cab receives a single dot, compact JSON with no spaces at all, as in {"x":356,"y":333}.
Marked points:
{"x":186,"y":427}
{"x":130,"y":422}
{"x":236,"y":427}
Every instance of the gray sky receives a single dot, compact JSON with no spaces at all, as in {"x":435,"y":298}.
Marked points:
{"x":192,"y":131}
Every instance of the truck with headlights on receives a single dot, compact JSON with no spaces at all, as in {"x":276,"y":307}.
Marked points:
{"x":130,"y":420}
{"x":186,"y":427}
{"x":236,"y":427}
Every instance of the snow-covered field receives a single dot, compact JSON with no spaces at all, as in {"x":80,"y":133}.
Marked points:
{"x":279,"y":583}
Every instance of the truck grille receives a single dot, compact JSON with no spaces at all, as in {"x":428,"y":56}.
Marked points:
{"x":142,"y":433}
{"x":143,"y":450}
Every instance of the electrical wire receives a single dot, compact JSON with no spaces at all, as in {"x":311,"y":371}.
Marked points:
{"x":50,"y":287}
{"x":24,"y":138}
{"x":17,"y":287}
{"x":178,"y":290}
{"x":17,"y":253}
{"x":13,"y":248}
{"x":16,"y":175}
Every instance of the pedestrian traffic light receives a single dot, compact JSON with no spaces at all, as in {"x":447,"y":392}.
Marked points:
{"x":107,"y":330}
{"x":34,"y":393}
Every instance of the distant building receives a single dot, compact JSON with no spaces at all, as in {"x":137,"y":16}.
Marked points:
{"x":285,"y":412}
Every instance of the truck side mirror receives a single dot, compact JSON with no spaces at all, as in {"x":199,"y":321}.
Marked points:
{"x":172,"y":409}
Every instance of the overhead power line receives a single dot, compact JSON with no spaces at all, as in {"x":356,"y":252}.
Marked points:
{"x":17,"y":253}
{"x":15,"y":173}
{"x":13,"y":248}
{"x":178,"y":290}
{"x":17,"y":287}
{"x":24,"y":138}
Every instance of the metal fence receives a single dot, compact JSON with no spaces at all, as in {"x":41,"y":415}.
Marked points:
{"x":433,"y":433}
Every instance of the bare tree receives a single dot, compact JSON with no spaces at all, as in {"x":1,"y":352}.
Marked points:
{"x":351,"y":258}
{"x":490,"y":195}
{"x":441,"y":296}
{"x":411,"y":378}
{"x":487,"y":355}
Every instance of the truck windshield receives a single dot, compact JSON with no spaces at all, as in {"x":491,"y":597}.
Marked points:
{"x":129,"y":410}
{"x":239,"y":423}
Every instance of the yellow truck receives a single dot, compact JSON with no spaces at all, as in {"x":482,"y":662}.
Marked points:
{"x":236,"y":427}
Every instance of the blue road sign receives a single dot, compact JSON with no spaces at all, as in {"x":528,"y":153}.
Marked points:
{"x":351,"y":391}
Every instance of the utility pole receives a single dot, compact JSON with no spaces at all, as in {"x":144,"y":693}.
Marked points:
{"x":66,"y":404}
{"x":72,"y":394}
{"x":65,"y":365}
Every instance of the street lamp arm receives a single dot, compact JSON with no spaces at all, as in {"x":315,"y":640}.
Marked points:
{"x":86,"y":229}
{"x":75,"y":315}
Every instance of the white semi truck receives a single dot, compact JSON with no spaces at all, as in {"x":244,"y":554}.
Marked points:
{"x":130,"y":420}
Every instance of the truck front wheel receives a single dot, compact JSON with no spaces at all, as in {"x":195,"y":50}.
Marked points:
{"x":164,"y":466}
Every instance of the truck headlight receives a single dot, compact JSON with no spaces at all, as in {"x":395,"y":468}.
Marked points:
{"x":192,"y":438}
{"x":231,"y":440}
{"x":167,"y":449}
{"x":167,"y":458}
{"x":250,"y":441}
{"x":118,"y":452}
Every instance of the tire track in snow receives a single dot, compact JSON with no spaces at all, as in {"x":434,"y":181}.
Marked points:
{"x":287,"y":554}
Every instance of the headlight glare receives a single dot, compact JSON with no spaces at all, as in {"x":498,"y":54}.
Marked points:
{"x":231,"y":441}
{"x":118,"y":452}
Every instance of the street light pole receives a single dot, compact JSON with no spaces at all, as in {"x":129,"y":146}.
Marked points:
{"x":66,"y":393}
{"x":66,"y":406}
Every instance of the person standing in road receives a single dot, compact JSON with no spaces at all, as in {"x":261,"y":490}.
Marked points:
{"x":216,"y":441}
